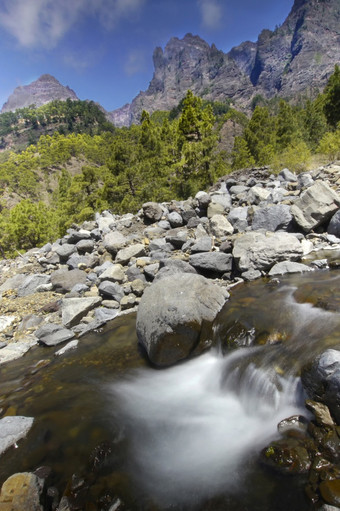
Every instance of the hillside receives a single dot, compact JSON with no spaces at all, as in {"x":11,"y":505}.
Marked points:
{"x":293,"y":60}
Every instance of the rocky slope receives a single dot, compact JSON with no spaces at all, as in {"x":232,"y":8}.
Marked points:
{"x":38,"y":93}
{"x":297,"y":58}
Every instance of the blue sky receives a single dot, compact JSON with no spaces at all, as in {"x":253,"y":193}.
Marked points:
{"x":103,"y":49}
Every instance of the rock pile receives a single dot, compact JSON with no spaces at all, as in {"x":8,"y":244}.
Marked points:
{"x":250,"y":224}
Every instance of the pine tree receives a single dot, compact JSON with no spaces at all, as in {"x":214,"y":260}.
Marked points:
{"x":332,"y":98}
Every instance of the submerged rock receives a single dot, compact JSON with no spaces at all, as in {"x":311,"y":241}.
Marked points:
{"x":174,"y":315}
{"x":12,"y":429}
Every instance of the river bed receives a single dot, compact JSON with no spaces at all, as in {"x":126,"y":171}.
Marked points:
{"x":184,"y":438}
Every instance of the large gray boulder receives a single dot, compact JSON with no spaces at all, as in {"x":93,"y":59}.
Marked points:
{"x":64,"y":280}
{"x":272,"y":218}
{"x":321,"y":381}
{"x":334,"y":225}
{"x":259,"y":251}
{"x":13,"y":429}
{"x":31,"y":284}
{"x":174,"y":315}
{"x":315,"y":206}
{"x":215,"y":262}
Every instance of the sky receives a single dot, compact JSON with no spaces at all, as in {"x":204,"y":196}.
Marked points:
{"x":103,"y":49}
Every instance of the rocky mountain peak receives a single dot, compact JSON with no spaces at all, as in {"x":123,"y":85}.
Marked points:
{"x":43,"y":90}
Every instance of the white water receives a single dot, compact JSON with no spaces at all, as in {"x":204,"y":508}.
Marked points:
{"x":192,"y":425}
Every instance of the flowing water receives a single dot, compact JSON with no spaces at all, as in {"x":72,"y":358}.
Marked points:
{"x":187,"y":437}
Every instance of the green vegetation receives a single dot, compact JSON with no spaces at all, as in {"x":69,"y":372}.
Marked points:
{"x":82,"y":164}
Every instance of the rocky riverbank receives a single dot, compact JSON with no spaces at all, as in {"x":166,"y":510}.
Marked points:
{"x":250,"y":224}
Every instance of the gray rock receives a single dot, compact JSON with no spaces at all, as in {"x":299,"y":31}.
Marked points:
{"x":114,"y":241}
{"x":315,"y":206}
{"x":334,"y":225}
{"x":102,"y":267}
{"x":30,"y":321}
{"x":104,"y":314}
{"x":187,"y":214}
{"x":172,"y":313}
{"x":12,"y":429}
{"x":272,"y":218}
{"x":13,"y":282}
{"x":288,"y":267}
{"x":223,"y":198}
{"x":72,"y":345}
{"x":64,"y":280}
{"x":128,"y":302}
{"x":125,"y":254}
{"x":31,"y":284}
{"x":158,"y":244}
{"x":51,"y":334}
{"x":258,"y":194}
{"x":220,"y":226}
{"x":238,"y":189}
{"x":75,"y":236}
{"x":251,"y":275}
{"x":321,"y":381}
{"x":215,"y":262}
{"x":74,"y":309}
{"x":79,"y":289}
{"x":172,"y":267}
{"x":111,"y":290}
{"x":164,"y":225}
{"x":6,"y":321}
{"x":255,"y":250}
{"x":15,"y":350}
{"x":65,"y":251}
{"x":202,"y":199}
{"x":81,"y":261}
{"x":150,"y":270}
{"x":305,"y":180}
{"x":202,"y":245}
{"x":177,"y":237}
{"x":137,"y":287}
{"x":105,"y":224}
{"x":238,"y":217}
{"x":287,"y":175}
{"x":84,"y":246}
{"x":175,"y":219}
{"x":114,"y":273}
{"x":152,"y":212}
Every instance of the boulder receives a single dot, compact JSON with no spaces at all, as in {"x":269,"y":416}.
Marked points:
{"x":315,"y":206}
{"x":114,"y":273}
{"x":152,"y":212}
{"x":259,"y":251}
{"x":215,"y":262}
{"x":12,"y":429}
{"x":111,"y":290}
{"x":204,"y":244}
{"x":114,"y":241}
{"x":272,"y":218}
{"x":175,"y":219}
{"x":334,"y":225}
{"x":238,"y":217}
{"x":51,"y":334}
{"x":75,"y":236}
{"x":220,"y":226}
{"x":64,"y":280}
{"x":288,"y":267}
{"x":81,"y":261}
{"x":74,"y":309}
{"x":258,"y":194}
{"x":173,"y":266}
{"x":174,"y":314}
{"x":125,"y":254}
{"x":177,"y":237}
{"x":64,"y":251}
{"x":21,"y":492}
{"x":321,"y":381}
{"x":31,"y":284}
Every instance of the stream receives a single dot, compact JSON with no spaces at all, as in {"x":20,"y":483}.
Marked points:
{"x":183,"y":438}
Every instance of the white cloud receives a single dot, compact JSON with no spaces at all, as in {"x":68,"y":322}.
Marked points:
{"x":136,"y":62}
{"x":42,"y":23}
{"x":211,"y":12}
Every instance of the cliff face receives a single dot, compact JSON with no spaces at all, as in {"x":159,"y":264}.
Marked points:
{"x":297,"y":58}
{"x":38,"y":93}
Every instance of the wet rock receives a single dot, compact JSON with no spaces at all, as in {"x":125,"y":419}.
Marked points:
{"x":215,"y":262}
{"x":72,"y":345}
{"x":287,"y":456}
{"x":255,"y":250}
{"x":12,"y":351}
{"x":330,"y":492}
{"x":172,"y":316}
{"x":125,"y":254}
{"x":321,"y":413}
{"x":51,"y":334}
{"x":73,"y":309}
{"x":13,"y":429}
{"x":288,"y":267}
{"x":315,"y":206}
{"x":321,"y":381}
{"x":152,"y":212}
{"x":64,"y":280}
{"x":21,"y":492}
{"x":272,"y":218}
{"x":295,"y":422}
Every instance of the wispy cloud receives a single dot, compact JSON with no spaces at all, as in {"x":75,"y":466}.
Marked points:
{"x":43,"y":23}
{"x":211,"y":12}
{"x":136,"y":62}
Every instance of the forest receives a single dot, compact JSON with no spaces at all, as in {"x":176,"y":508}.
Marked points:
{"x":76,"y":163}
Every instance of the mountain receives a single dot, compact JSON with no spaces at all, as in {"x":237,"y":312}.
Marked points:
{"x":38,"y":93}
{"x":295,"y":59}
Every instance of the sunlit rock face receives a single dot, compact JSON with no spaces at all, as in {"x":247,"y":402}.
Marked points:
{"x":38,"y":93}
{"x":296,"y":58}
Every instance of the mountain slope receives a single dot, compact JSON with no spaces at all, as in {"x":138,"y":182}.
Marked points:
{"x":296,"y":58}
{"x":38,"y":93}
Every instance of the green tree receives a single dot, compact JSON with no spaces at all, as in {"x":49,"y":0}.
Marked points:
{"x":260,"y":135}
{"x":241,"y":156}
{"x":332,"y":98}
